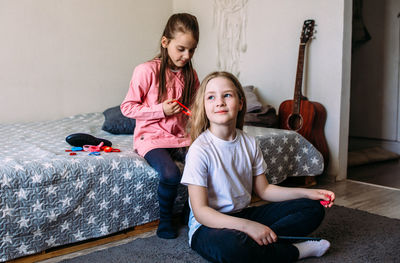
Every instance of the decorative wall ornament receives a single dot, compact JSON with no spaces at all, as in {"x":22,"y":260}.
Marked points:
{"x":230,"y":18}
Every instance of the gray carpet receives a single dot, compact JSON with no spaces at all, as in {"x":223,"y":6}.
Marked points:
{"x":355,"y":236}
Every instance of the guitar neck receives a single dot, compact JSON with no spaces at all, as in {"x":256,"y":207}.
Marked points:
{"x":299,"y":79}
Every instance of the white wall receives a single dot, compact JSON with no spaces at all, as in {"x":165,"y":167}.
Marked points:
{"x":63,"y":57}
{"x":375,"y":96}
{"x":273,"y":31}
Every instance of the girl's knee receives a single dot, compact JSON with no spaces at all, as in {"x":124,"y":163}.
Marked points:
{"x":314,"y":207}
{"x":314,"y":211}
{"x":318,"y":209}
{"x":225,"y":245}
{"x":170,"y":175}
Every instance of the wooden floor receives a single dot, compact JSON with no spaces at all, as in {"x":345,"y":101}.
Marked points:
{"x":374,"y":188}
{"x":376,"y":199}
{"x":382,"y":173}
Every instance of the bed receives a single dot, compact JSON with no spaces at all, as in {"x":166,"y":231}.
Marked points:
{"x":49,"y":198}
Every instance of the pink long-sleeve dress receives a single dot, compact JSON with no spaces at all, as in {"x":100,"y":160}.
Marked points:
{"x":154,"y":129}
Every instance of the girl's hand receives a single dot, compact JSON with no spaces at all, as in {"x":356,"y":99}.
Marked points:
{"x":321,"y":194}
{"x":171,"y":107}
{"x":262,"y":234}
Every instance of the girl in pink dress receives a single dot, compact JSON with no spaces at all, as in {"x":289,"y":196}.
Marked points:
{"x":160,"y":134}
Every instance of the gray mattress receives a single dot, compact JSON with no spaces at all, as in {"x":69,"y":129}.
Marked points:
{"x":49,"y":198}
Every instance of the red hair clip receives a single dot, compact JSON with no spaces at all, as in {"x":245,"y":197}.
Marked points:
{"x":92,"y":148}
{"x":187,"y":112}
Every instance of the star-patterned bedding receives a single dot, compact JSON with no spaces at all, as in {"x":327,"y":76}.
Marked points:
{"x":287,"y":154}
{"x":49,"y":198}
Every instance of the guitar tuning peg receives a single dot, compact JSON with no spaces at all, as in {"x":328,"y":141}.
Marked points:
{"x":315,"y":31}
{"x":314,"y":37}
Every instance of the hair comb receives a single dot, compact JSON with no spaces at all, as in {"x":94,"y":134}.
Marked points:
{"x":185,"y":110}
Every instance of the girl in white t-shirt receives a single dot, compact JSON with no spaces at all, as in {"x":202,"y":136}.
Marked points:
{"x":223,"y":167}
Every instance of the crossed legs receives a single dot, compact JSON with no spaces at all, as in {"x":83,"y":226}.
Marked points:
{"x":297,"y":217}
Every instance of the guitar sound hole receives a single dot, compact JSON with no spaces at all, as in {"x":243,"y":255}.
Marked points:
{"x":295,"y":122}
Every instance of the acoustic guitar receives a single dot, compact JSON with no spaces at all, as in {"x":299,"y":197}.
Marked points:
{"x":301,"y":115}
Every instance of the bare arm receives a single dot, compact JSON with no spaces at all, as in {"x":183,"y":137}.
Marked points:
{"x":210,"y":217}
{"x":275,"y":193}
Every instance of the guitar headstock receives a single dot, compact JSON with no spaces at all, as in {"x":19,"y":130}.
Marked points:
{"x":307,"y":31}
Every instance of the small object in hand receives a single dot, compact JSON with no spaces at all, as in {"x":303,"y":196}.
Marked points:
{"x":324,"y":202}
{"x":187,"y":112}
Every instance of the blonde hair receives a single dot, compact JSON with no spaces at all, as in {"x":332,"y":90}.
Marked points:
{"x":199,"y":122}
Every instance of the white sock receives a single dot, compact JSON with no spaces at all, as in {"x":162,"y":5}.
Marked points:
{"x":312,"y":248}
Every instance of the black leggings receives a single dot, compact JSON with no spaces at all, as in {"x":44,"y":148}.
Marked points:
{"x":163,"y":161}
{"x":297,"y":217}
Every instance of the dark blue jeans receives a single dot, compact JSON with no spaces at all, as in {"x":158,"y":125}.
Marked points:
{"x":163,"y":161}
{"x":297,"y":217}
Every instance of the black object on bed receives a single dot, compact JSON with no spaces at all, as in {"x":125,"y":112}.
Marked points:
{"x":80,"y":139}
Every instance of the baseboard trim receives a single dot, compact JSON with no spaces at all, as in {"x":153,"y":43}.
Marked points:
{"x":375,"y":185}
{"x":356,"y":143}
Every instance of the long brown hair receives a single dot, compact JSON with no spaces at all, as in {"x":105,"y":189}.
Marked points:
{"x":199,"y":122}
{"x":184,"y":23}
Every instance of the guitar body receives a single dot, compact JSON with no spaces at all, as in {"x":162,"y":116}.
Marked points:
{"x":309,"y":122}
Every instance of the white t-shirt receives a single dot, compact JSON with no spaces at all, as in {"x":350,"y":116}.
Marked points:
{"x":226,"y":169}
